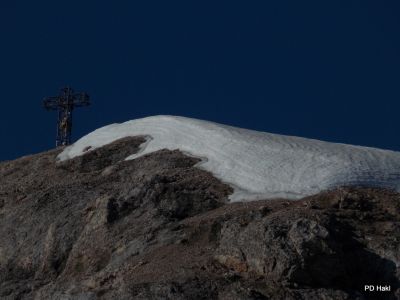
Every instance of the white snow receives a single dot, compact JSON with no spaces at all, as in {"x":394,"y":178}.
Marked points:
{"x":257,"y":165}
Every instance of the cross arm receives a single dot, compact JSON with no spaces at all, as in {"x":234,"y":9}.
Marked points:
{"x":51,"y":103}
{"x":81,"y":99}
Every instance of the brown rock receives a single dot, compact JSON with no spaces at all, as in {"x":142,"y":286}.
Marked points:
{"x":99,"y":227}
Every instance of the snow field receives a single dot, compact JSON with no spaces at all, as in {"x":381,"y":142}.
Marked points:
{"x":257,"y":165}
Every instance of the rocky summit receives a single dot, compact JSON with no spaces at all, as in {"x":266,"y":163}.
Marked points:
{"x":157,"y":227}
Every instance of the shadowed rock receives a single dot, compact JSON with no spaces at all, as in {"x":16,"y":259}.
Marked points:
{"x":157,"y":227}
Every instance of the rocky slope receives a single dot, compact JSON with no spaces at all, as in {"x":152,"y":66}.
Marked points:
{"x":99,"y":227}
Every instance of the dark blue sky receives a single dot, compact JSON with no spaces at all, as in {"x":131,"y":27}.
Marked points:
{"x":321,"y":69}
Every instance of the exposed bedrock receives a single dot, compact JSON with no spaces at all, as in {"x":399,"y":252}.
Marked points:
{"x":157,"y":227}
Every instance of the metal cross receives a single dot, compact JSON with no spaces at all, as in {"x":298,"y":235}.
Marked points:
{"x":65,"y":104}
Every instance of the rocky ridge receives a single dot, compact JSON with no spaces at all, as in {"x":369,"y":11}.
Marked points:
{"x":157,"y":227}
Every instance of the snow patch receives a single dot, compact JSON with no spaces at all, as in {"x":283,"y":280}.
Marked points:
{"x":257,"y":165}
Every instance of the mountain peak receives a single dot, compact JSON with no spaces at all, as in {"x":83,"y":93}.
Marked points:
{"x":258,"y":165}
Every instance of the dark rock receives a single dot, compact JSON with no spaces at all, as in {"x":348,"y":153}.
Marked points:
{"x":157,"y":227}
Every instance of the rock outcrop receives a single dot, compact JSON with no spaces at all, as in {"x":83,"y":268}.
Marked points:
{"x":157,"y":227}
